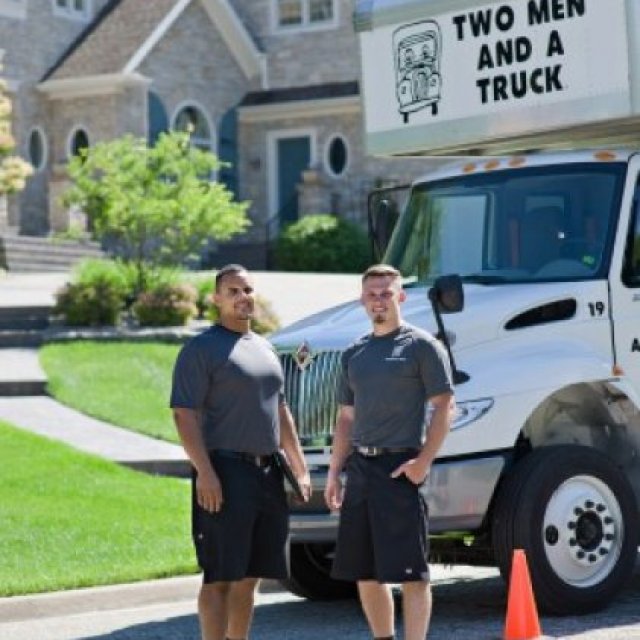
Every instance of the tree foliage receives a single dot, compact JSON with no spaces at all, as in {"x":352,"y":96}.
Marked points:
{"x":13,"y":170}
{"x":158,"y":205}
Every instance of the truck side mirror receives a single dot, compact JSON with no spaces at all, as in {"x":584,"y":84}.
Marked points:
{"x":448,"y":294}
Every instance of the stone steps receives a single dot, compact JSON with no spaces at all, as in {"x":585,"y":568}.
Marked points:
{"x":24,"y":318}
{"x":20,"y":372}
{"x":23,"y":326}
{"x":41,"y":254}
{"x":14,"y":338}
{"x":15,"y":388}
{"x":20,"y":333}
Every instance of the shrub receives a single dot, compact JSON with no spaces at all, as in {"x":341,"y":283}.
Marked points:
{"x":264,"y":318}
{"x":166,"y":305}
{"x":204,"y":285}
{"x":154,"y":277}
{"x":323,"y":243}
{"x":96,"y":297}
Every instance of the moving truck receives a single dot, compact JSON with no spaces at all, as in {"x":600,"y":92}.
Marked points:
{"x":523,"y":255}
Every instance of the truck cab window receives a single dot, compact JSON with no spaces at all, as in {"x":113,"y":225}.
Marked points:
{"x":511,"y":226}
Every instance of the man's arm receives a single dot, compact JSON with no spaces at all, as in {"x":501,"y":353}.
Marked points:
{"x":291,"y":445}
{"x":208,"y":487}
{"x":339,"y":453}
{"x":418,"y":468}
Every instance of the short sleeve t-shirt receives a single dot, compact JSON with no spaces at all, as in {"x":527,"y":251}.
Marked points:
{"x":235,"y":380}
{"x":388,"y":379}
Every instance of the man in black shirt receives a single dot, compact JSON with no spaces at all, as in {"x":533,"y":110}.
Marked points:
{"x":381,"y":436}
{"x":231,"y":416}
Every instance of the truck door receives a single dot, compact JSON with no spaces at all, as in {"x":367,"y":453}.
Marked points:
{"x":625,"y":280}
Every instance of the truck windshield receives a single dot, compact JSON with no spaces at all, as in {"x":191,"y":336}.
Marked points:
{"x":541,"y":224}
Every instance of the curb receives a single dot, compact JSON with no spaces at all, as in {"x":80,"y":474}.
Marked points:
{"x":64,"y":603}
{"x":59,"y":604}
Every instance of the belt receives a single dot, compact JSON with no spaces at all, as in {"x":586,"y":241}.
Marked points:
{"x":372,"y":452}
{"x":258,"y":461}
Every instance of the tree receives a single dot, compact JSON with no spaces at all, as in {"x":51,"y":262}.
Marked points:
{"x":13,"y":170}
{"x":159,"y":204}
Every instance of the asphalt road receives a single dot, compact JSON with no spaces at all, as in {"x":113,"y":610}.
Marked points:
{"x":470,"y":604}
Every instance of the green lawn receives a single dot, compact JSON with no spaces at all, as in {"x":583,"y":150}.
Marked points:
{"x":124,"y":383}
{"x":69,"y":520}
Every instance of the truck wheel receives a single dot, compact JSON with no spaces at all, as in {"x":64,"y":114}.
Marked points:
{"x":310,"y":574}
{"x":575,"y":515}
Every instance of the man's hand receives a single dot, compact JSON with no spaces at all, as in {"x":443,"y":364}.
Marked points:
{"x":413,"y":469}
{"x":333,"y":492}
{"x":209,"y":491}
{"x":305,"y":484}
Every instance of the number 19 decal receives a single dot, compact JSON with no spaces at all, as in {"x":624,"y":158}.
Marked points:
{"x":596,"y":309}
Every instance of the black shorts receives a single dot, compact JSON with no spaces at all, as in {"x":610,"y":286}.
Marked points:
{"x":248,"y":537}
{"x":383,"y":533}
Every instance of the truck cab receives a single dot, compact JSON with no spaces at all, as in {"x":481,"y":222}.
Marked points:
{"x":544,"y":452}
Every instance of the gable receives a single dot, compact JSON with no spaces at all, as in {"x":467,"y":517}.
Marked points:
{"x":126,"y":31}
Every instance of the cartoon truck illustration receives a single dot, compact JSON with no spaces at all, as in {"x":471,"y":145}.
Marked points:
{"x":417,"y":50}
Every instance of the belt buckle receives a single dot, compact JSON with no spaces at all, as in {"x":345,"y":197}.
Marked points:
{"x":369,"y":452}
{"x":262,"y":461}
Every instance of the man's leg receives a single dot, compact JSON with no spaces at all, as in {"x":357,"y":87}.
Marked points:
{"x":240,"y":609}
{"x":226,"y":609}
{"x":213,"y":610}
{"x":416,"y":605}
{"x":377,"y":604}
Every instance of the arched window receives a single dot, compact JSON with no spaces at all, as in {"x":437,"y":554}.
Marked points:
{"x":37,"y":149}
{"x":78,"y":140}
{"x":194,"y":121}
{"x":157,"y":118}
{"x":337,"y":156}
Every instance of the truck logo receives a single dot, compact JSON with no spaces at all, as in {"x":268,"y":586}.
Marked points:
{"x":303,"y":356}
{"x":417,"y":48}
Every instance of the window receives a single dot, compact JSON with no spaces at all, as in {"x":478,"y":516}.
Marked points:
{"x":193,"y":120}
{"x":78,"y":140}
{"x":78,"y":9}
{"x":13,"y":8}
{"x":157,"y":118}
{"x":304,"y":13}
{"x":337,"y":158}
{"x":543,"y":224}
{"x":37,"y":149}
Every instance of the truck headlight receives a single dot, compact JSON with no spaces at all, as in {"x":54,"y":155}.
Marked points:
{"x":469,"y":411}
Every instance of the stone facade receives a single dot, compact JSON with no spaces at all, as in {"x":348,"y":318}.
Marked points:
{"x":96,"y":72}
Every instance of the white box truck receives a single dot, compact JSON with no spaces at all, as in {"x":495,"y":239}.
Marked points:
{"x":544,"y":454}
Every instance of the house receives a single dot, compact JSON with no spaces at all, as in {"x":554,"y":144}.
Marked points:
{"x":269,"y":85}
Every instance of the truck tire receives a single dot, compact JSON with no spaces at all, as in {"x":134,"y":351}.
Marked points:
{"x":310,"y":574}
{"x":575,"y":515}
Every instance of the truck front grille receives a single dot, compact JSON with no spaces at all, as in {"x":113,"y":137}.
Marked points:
{"x":311,"y":395}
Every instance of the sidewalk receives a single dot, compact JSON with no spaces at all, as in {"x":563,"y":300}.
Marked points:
{"x":292,"y":295}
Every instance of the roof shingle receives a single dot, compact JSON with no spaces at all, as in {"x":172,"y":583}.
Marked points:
{"x":111,"y":40}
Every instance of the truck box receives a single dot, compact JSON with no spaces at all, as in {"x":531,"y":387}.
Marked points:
{"x":459,"y":77}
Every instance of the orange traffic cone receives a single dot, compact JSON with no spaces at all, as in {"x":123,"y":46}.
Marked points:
{"x":522,"y":614}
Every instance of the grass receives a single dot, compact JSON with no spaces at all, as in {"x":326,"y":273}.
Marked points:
{"x":123,"y":383}
{"x":68,"y":519}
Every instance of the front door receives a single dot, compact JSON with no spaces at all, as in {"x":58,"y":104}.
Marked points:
{"x":625,"y":280}
{"x":293,"y":157}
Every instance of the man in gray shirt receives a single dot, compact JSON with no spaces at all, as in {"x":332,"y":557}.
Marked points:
{"x":381,"y":436}
{"x":231,"y":416}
